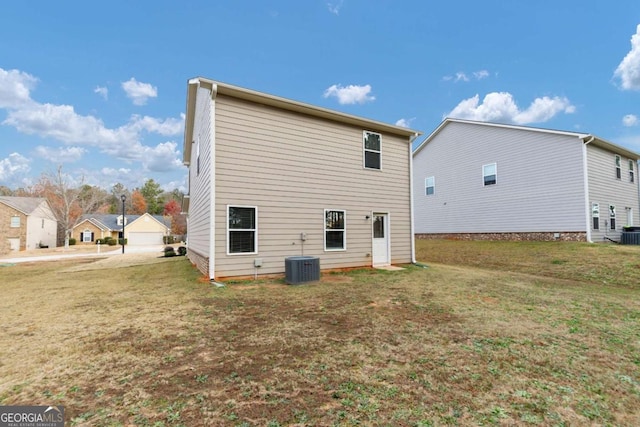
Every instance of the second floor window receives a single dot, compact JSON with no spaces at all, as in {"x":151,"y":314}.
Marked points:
{"x":490,"y":174}
{"x":632,"y":177}
{"x":372,"y":143}
{"x":618,"y":170}
{"x":15,"y":221}
{"x":430,"y":185}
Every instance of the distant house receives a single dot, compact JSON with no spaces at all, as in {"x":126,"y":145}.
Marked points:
{"x":143,"y":229}
{"x":26,"y":223}
{"x":477,"y":180}
{"x":271,"y":178}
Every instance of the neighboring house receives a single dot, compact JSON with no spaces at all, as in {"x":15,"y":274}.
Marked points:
{"x":271,"y":178}
{"x":26,"y":223}
{"x":477,"y":180}
{"x":143,"y":229}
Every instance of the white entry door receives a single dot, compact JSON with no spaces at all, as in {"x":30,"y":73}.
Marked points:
{"x":381,"y":255}
{"x":14,"y":244}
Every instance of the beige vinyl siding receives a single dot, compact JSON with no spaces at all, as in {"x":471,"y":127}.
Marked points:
{"x":292,"y":167}
{"x":200,"y":186}
{"x":540,"y":181}
{"x":606,"y":189}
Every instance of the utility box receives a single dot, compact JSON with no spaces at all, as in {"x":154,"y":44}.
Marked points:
{"x":301,"y":269}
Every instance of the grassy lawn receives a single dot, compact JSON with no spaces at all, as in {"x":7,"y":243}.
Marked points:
{"x":489,"y":334}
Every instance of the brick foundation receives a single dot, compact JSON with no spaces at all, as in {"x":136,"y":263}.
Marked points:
{"x":200,"y":261}
{"x":561,"y":236}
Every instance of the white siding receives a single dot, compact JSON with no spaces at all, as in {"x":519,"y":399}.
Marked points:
{"x":199,"y":182}
{"x":605,"y":189}
{"x":292,"y":167}
{"x":540,"y":181}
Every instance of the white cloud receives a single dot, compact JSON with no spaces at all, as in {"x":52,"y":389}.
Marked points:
{"x":630,"y":120}
{"x":501,"y":107}
{"x":12,"y":166}
{"x":139,"y":92}
{"x":351,"y":94}
{"x":335,"y":7}
{"x":461,"y":76}
{"x":15,"y":88}
{"x":102,"y":91}
{"x":164,"y":127}
{"x":628,"y":70}
{"x":60,"y":154}
{"x":405,"y":123}
{"x":482,"y":74}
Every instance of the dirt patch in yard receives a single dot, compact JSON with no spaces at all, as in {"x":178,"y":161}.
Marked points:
{"x":119,"y":261}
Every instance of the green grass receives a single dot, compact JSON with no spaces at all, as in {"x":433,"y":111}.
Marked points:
{"x":489,"y":334}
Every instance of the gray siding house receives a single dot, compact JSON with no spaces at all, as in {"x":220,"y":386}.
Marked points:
{"x":477,"y":180}
{"x":271,"y":178}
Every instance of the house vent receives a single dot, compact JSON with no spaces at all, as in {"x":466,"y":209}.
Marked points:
{"x":301,"y":269}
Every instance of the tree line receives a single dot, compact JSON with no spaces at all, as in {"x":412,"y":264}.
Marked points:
{"x":69,"y":201}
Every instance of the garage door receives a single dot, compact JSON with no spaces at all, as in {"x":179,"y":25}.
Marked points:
{"x":148,"y":238}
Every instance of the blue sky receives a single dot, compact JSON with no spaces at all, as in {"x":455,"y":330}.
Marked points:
{"x":100,"y":88}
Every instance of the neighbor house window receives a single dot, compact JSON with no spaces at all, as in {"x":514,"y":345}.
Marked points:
{"x":372,"y":143}
{"x":242,"y":229}
{"x":612,"y":217}
{"x":15,"y":221}
{"x":430,"y":185}
{"x":632,"y":177}
{"x":334,"y":230}
{"x":618,"y":171}
{"x":595,"y":215}
{"x":87,"y":236}
{"x":489,"y":174}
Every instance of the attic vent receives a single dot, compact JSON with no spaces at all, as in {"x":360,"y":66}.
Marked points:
{"x":301,"y":269}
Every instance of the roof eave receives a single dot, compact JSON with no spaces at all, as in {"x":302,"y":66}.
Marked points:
{"x":285,"y":104}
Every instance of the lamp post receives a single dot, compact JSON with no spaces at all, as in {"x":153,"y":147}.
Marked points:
{"x":123,"y":198}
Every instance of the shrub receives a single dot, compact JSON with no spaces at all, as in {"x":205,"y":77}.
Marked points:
{"x":167,"y":240}
{"x":99,"y":241}
{"x":121,"y":241}
{"x":169,"y":251}
{"x":72,"y":241}
{"x":110,"y":242}
{"x":182,"y":251}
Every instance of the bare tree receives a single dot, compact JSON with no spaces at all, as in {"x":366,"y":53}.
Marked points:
{"x":68,"y":202}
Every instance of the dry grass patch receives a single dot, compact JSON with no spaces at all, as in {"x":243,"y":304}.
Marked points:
{"x":505,"y":344}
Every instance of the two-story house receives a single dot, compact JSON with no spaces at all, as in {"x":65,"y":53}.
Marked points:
{"x":26,"y":223}
{"x":477,"y":180}
{"x":271,"y":178}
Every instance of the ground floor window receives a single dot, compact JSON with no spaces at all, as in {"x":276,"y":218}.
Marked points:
{"x":595,"y":215}
{"x":242,"y":235}
{"x":612,"y":217}
{"x":86,"y":236}
{"x":335,"y":230}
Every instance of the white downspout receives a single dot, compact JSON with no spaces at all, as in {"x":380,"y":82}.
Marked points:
{"x":212,"y":184}
{"x":586,"y":186}
{"x":413,"y":233}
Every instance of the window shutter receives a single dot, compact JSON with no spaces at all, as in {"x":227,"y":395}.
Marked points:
{"x":92,"y":236}
{"x":81,"y":236}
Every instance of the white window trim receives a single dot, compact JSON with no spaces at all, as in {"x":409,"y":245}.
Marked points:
{"x":595,"y":213}
{"x":344,"y":230}
{"x":426,"y":185}
{"x":15,"y":221}
{"x":632,"y":171}
{"x":618,"y":161}
{"x":495,"y":165}
{"x":255,"y":231}
{"x":364,"y":150}
{"x":84,"y":236}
